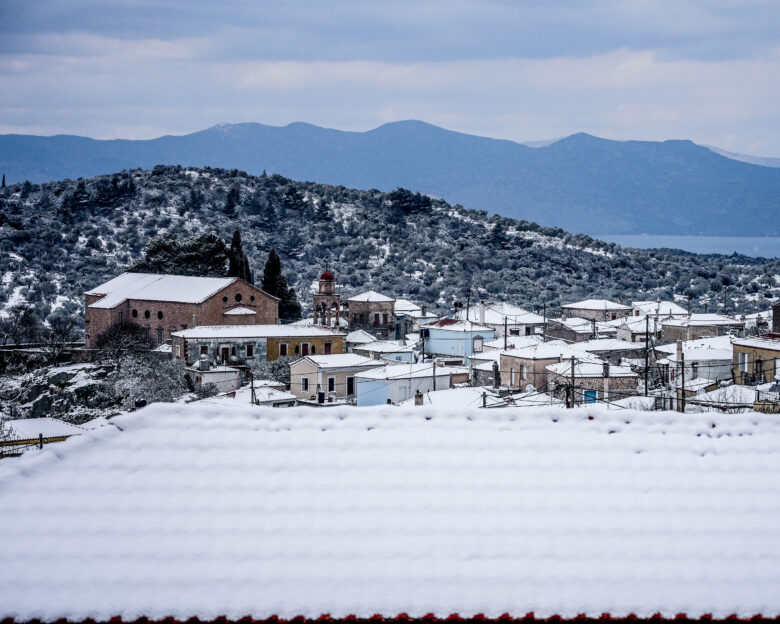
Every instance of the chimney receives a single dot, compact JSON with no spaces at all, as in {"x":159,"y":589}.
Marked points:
{"x":679,"y":350}
{"x":424,"y":309}
{"x":418,"y":397}
{"x":194,"y":320}
{"x":481,"y":312}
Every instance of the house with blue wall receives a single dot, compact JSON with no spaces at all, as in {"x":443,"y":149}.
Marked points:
{"x":456,"y":337}
{"x":399,"y":382}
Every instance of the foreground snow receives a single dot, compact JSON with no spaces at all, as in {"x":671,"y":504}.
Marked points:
{"x":201,"y":510}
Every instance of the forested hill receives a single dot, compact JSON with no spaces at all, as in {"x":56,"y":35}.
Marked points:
{"x":581,"y":183}
{"x":60,"y":239}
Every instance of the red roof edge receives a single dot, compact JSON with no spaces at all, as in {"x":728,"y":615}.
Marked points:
{"x":529,"y":618}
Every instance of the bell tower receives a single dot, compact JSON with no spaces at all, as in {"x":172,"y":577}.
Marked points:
{"x":327,"y":301}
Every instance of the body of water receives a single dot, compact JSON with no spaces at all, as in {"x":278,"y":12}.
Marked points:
{"x":766,"y":247}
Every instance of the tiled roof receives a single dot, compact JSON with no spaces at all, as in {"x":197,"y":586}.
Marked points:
{"x":202,"y":510}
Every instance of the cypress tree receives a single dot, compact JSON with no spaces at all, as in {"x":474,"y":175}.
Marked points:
{"x":3,"y":181}
{"x":238,"y":263}
{"x":275,"y":284}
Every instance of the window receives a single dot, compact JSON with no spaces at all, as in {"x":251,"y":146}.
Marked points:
{"x":204,"y":349}
{"x":376,"y":318}
{"x":250,"y":350}
{"x":297,"y":349}
{"x":233,"y":351}
{"x":160,"y":315}
{"x":283,"y":349}
{"x":121,"y":315}
{"x":304,"y":384}
{"x":328,"y":348}
{"x":176,"y":351}
{"x":743,"y":362}
{"x":146,"y":333}
{"x":350,"y":386}
{"x":590,"y":396}
{"x":331,"y":384}
{"x":477,"y":343}
{"x":384,"y":318}
{"x":251,"y":298}
{"x":238,"y":297}
{"x":135,"y":313}
{"x":224,"y":299}
{"x":304,"y":349}
{"x":147,"y":314}
{"x":614,"y":316}
{"x":527,"y":331}
{"x":159,"y":335}
{"x":695,"y":370}
{"x":511,"y":376}
{"x":313,"y":349}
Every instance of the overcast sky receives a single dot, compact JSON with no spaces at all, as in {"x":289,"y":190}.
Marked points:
{"x":708,"y":70}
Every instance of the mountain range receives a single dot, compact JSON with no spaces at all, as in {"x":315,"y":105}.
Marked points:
{"x":580,"y":183}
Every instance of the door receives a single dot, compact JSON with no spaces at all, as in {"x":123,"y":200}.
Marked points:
{"x":225,"y":355}
{"x":590,"y":396}
{"x":350,"y":386}
{"x":305,"y":349}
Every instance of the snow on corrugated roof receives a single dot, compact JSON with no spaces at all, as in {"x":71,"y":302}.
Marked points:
{"x":596,"y":304}
{"x":342,"y":360}
{"x":590,"y":369}
{"x":360,"y":336}
{"x":154,"y":287}
{"x":255,"y":331}
{"x":203,"y":510}
{"x":31,"y":428}
{"x":384,"y":346}
{"x":371,"y":296}
{"x":239,"y":311}
{"x":406,"y":371}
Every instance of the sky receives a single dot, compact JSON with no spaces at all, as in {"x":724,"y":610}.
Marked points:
{"x":705,"y":70}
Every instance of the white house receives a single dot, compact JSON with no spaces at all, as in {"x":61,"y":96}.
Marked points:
{"x":500,"y":315}
{"x":396,"y":383}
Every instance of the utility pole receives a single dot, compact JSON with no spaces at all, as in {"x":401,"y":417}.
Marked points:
{"x":544,"y":326}
{"x":725,"y":294}
{"x":571,"y":385}
{"x":681,"y":402}
{"x":468,"y":303}
{"x":434,"y":375}
{"x":647,"y":350}
{"x":504,"y":333}
{"x":605,"y":370}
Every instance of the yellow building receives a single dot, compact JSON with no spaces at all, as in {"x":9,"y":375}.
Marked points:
{"x":756,"y":359}
{"x":242,"y":344}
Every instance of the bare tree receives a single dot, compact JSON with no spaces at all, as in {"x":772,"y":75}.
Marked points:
{"x":60,"y":332}
{"x":121,"y":340}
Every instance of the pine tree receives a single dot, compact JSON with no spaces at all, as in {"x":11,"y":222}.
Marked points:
{"x":275,"y":284}
{"x":233,"y":198}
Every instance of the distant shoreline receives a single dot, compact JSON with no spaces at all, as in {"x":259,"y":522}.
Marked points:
{"x":756,"y":246}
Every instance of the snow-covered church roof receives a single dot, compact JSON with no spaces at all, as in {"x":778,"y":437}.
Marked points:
{"x":199,"y":510}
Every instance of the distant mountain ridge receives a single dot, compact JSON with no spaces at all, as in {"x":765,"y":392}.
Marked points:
{"x":581,"y":183}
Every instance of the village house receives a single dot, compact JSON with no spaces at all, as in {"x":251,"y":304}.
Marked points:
{"x":705,"y":359}
{"x":332,"y":375}
{"x":756,"y":359}
{"x":528,"y":365}
{"x":612,"y":350}
{"x":389,"y":350}
{"x":454,"y":337}
{"x":357,"y":338}
{"x":658,"y":309}
{"x":223,"y":378}
{"x":592,"y":382}
{"x":776,"y":318}
{"x":243,"y":344}
{"x":396,"y":383}
{"x":595,"y":309}
{"x":571,"y":329}
{"x":697,"y":326}
{"x":504,"y":316}
{"x":373,"y":311}
{"x":637,"y":329}
{"x":409,"y":317}
{"x":163,"y":304}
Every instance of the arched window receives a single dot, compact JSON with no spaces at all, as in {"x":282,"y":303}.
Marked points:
{"x":135,"y":313}
{"x":160,"y":315}
{"x":147,"y":314}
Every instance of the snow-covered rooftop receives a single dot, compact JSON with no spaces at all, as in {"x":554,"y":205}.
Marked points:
{"x":701,"y":320}
{"x":204,"y":510}
{"x":661,"y":308}
{"x":254,"y":331}
{"x":590,"y":369}
{"x":771,"y":342}
{"x":457,"y":398}
{"x":602,"y":345}
{"x":154,"y":287}
{"x":496,"y":312}
{"x":458,"y":325}
{"x":404,"y":306}
{"x":512,"y":342}
{"x":360,"y":336}
{"x":550,"y":350}
{"x":342,"y":360}
{"x":371,"y":296}
{"x":31,"y":428}
{"x":385,"y":346}
{"x":406,"y":371}
{"x":239,"y":311}
{"x":596,"y":304}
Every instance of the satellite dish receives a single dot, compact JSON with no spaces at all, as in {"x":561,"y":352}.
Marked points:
{"x":530,"y":388}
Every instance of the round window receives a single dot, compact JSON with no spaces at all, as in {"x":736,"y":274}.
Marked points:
{"x":238,"y":297}
{"x":159,"y":314}
{"x":224,"y":299}
{"x":135,"y":313}
{"x":147,"y":314}
{"x":251,"y":298}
